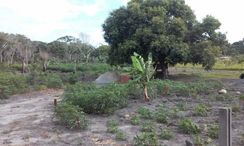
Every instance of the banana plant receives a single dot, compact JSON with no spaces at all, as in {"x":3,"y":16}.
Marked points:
{"x":143,"y":71}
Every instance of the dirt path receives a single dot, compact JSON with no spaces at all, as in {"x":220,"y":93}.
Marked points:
{"x":27,"y":119}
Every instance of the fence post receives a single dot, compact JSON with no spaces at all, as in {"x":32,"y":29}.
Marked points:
{"x":225,"y":127}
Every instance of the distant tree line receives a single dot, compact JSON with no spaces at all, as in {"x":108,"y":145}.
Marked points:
{"x":15,"y":48}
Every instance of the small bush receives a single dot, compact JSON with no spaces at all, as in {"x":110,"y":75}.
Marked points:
{"x":112,"y":126}
{"x":213,"y":131}
{"x":146,"y":139}
{"x":11,"y":84}
{"x":71,"y":116}
{"x":242,"y":97}
{"x":181,"y":106}
{"x":148,"y":127}
{"x":161,"y":115}
{"x":54,"y":81}
{"x":97,"y":100}
{"x":120,"y":136}
{"x":144,"y":113}
{"x":40,"y":87}
{"x":201,"y":110}
{"x":188,"y":127}
{"x":165,"y":134}
{"x":135,"y":120}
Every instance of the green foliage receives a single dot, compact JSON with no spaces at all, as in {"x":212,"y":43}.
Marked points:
{"x":188,"y":127}
{"x":120,"y":136}
{"x":135,"y":120}
{"x":112,"y":126}
{"x":53,"y":81}
{"x":144,"y":112}
{"x":12,"y":84}
{"x":146,"y":139}
{"x":161,"y":114}
{"x":182,"y":106}
{"x":148,"y":127}
{"x":97,"y":100}
{"x":143,"y":71}
{"x":201,"y":110}
{"x":168,"y":29}
{"x":165,"y":134}
{"x":198,"y":141}
{"x":184,"y":88}
{"x":241,"y":97}
{"x":71,"y":116}
{"x":88,"y":68}
{"x":213,"y":131}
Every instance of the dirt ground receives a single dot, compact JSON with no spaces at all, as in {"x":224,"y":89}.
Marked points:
{"x":28,"y":120}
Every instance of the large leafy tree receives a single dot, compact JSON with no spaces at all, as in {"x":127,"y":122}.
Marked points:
{"x":167,"y":28}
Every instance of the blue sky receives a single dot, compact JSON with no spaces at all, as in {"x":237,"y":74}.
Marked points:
{"x":46,"y":20}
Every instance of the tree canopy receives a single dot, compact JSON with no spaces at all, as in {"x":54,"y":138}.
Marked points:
{"x":167,"y":28}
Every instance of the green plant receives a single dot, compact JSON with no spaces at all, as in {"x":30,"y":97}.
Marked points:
{"x":148,"y":127}
{"x":222,"y":97}
{"x":161,"y":115}
{"x":40,"y":87}
{"x":11,"y":84}
{"x":188,"y":127}
{"x":112,"y":126}
{"x":135,"y":120}
{"x":144,"y":112}
{"x":54,"y":81}
{"x":146,"y":139}
{"x":165,"y":134}
{"x":198,"y":141}
{"x":143,"y":71}
{"x":97,"y":100}
{"x":242,"y":97}
{"x":120,"y":136}
{"x":201,"y":110}
{"x":71,"y":116}
{"x":182,"y":106}
{"x":212,"y":131}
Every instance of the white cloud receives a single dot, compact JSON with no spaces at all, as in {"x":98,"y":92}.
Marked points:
{"x":40,"y":19}
{"x":228,"y":12}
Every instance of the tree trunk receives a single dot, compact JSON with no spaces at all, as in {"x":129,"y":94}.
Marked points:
{"x":23,"y":66}
{"x":44,"y":67}
{"x":146,"y":97}
{"x":161,"y":70}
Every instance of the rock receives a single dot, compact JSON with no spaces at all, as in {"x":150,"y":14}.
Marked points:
{"x":127,"y":116}
{"x":238,"y":92}
{"x":222,"y":91}
{"x":242,"y":76}
{"x":189,"y":143}
{"x":106,"y":78}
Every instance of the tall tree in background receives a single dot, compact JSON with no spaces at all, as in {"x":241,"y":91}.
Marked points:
{"x":167,"y":28}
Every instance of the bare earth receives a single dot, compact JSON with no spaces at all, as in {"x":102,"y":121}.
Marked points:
{"x":28,"y":120}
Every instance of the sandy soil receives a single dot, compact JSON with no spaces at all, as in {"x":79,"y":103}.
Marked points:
{"x":28,"y":120}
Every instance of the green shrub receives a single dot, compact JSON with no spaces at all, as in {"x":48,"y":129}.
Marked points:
{"x":40,"y":87}
{"x":181,"y":106}
{"x":144,"y":112}
{"x":148,"y":127}
{"x":242,"y":97}
{"x":97,"y":100}
{"x":212,"y":131}
{"x":165,"y":134}
{"x":62,"y":67}
{"x":120,"y":136}
{"x":54,"y":81}
{"x":188,"y":127}
{"x":201,"y":110}
{"x":161,"y":115}
{"x":135,"y":120}
{"x":95,"y":68}
{"x":12,"y":84}
{"x":71,"y":116}
{"x":146,"y":139}
{"x":112,"y":126}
